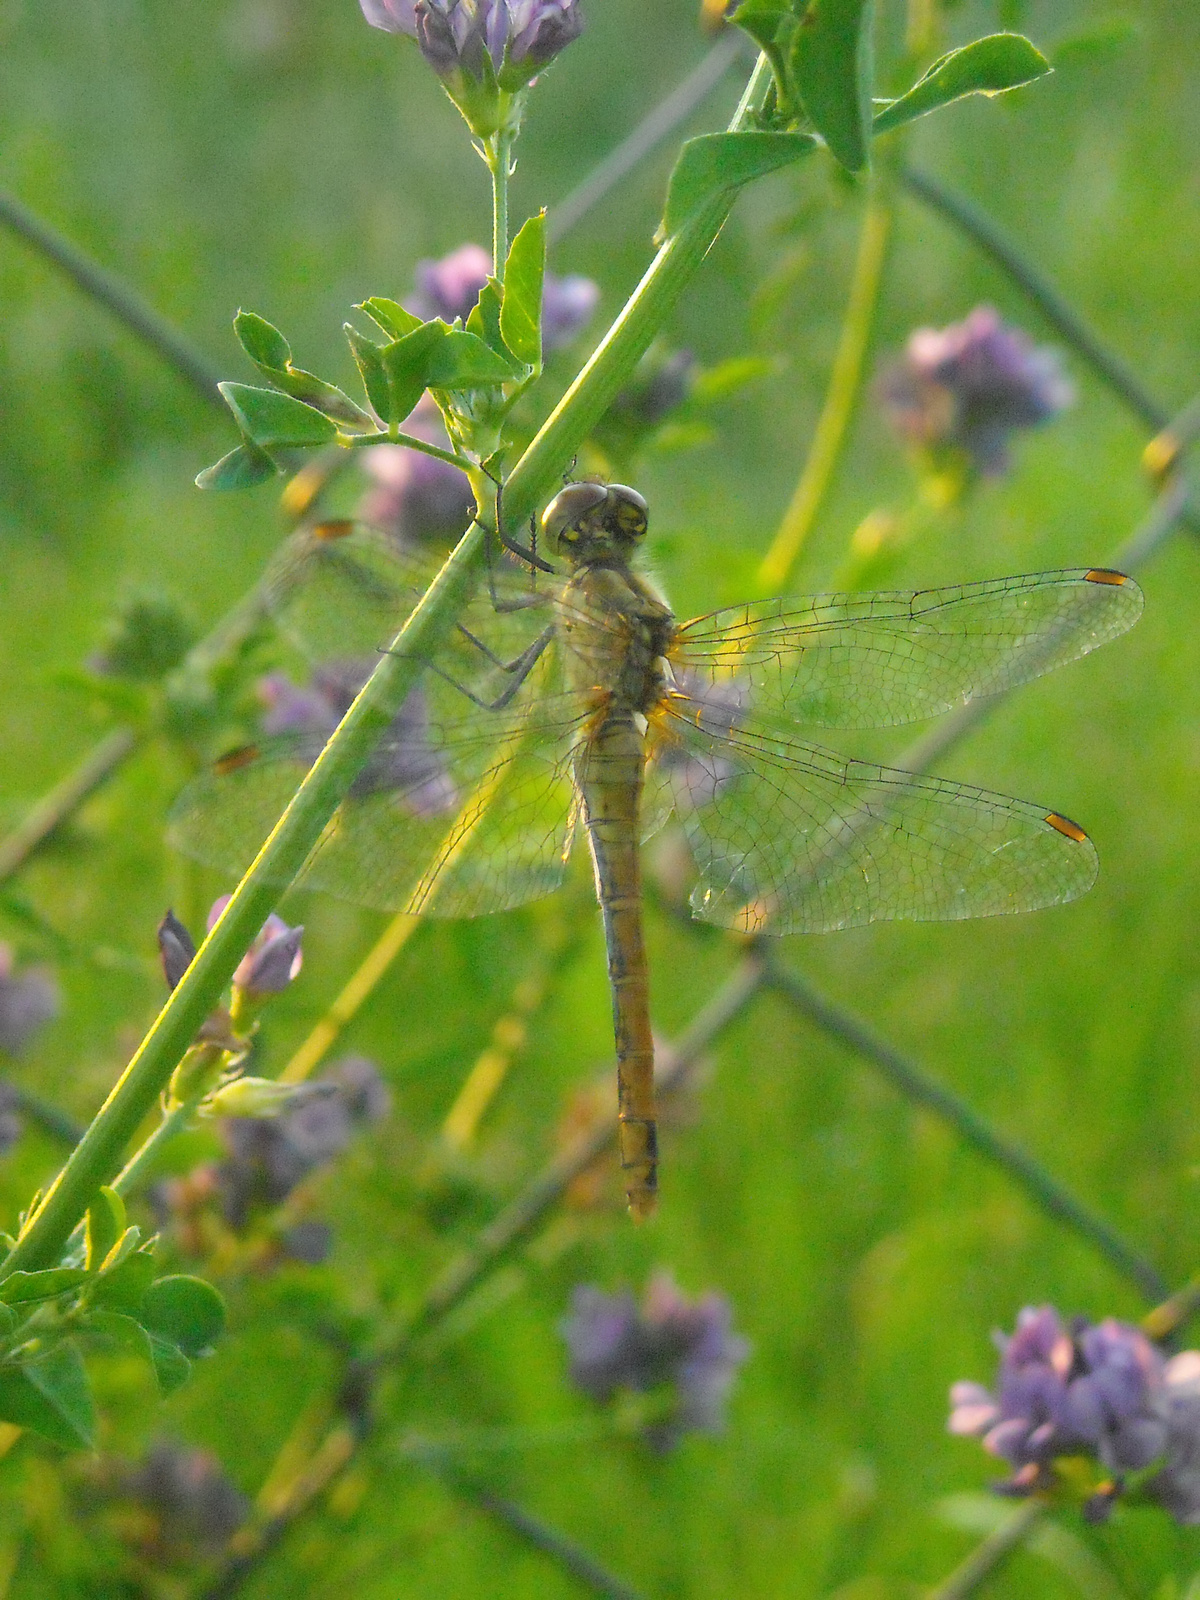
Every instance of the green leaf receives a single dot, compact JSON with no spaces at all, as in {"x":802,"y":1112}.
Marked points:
{"x":105,"y":1225}
{"x":988,"y":66}
{"x":728,"y":377}
{"x":406,"y":362}
{"x":20,"y":1287}
{"x":462,"y":361}
{"x":184,"y":1310}
{"x":50,"y":1396}
{"x":123,"y":1287}
{"x":171,"y":1367}
{"x":125,"y":1246}
{"x":714,"y":163}
{"x":240,"y":469}
{"x":831,"y":66}
{"x":484,"y":320}
{"x":772,"y":25}
{"x":395,"y":321}
{"x":368,"y":358}
{"x":273,"y":420}
{"x":261,"y":341}
{"x":521,"y":310}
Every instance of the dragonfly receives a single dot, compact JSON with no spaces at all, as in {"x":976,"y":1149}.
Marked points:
{"x":581,"y":710}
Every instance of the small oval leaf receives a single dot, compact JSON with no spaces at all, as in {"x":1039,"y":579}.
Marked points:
{"x":20,"y":1287}
{"x":242,"y":468}
{"x":185,"y":1311}
{"x":261,"y":340}
{"x":273,"y":420}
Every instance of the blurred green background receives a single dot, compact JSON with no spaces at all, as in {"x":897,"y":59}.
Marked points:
{"x":282,"y":156}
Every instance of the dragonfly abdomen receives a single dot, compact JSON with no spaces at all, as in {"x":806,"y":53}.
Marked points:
{"x":609,"y":774}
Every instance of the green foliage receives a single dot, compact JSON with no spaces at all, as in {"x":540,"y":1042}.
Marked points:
{"x":50,"y":1395}
{"x":521,"y":307}
{"x":830,"y":65}
{"x":184,"y":1311}
{"x":987,"y":66}
{"x":713,"y":164}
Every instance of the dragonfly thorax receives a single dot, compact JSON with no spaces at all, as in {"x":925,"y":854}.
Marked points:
{"x":595,"y":524}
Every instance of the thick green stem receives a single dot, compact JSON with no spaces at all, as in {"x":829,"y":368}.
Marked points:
{"x":98,"y":1154}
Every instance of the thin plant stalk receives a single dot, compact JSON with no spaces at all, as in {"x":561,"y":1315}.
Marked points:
{"x":564,"y":1552}
{"x":646,"y":137}
{"x":922,"y":1090}
{"x":990,"y":1555}
{"x":353,"y":996}
{"x":128,"y":307}
{"x":845,"y":383}
{"x":983,"y":231}
{"x":97,"y":1157}
{"x":61,"y":802}
{"x":498,"y":154}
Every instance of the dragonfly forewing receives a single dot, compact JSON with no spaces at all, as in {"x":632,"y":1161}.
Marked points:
{"x":879,"y":660}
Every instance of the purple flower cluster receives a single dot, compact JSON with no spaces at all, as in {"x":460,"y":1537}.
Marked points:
{"x":510,"y":39}
{"x":967,"y":387}
{"x":450,"y":287}
{"x":193,"y":1507}
{"x":671,"y":1341}
{"x":405,"y":760}
{"x":1091,"y":1389}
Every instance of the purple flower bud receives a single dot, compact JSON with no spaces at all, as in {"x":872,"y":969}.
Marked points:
{"x":567,"y":307}
{"x":519,"y":37}
{"x":28,"y":1000}
{"x":394,"y":16}
{"x":1177,"y":1487}
{"x":272,"y":961}
{"x":969,"y":386}
{"x":176,"y":947}
{"x":688,"y":1345}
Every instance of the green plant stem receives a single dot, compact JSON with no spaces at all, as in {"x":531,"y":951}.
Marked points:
{"x":845,"y":383}
{"x":97,"y":1157}
{"x":358,"y":441}
{"x":922,"y":1090}
{"x":990,"y":1555}
{"x":579,"y":1563}
{"x":116,"y":297}
{"x":499,"y":154}
{"x":65,"y":798}
{"x":969,"y":219}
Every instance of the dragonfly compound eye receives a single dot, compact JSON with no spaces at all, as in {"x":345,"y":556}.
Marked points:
{"x":627,"y":511}
{"x":562,"y":517}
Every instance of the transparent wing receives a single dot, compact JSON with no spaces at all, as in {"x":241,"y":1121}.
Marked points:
{"x":876,"y":660}
{"x":343,"y":590}
{"x":790,"y":838}
{"x":460,"y":811}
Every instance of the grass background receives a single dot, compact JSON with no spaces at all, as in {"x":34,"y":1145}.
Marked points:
{"x":280,"y":155}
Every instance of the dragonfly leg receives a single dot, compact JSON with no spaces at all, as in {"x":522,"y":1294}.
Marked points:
{"x":520,"y":669}
{"x":527,"y":554}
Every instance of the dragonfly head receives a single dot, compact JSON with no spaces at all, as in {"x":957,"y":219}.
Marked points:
{"x":590,"y":523}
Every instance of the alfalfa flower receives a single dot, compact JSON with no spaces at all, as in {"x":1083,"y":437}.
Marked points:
{"x":1094,"y":1390}
{"x":686,"y":1348}
{"x":965,"y":389}
{"x":484,"y":51}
